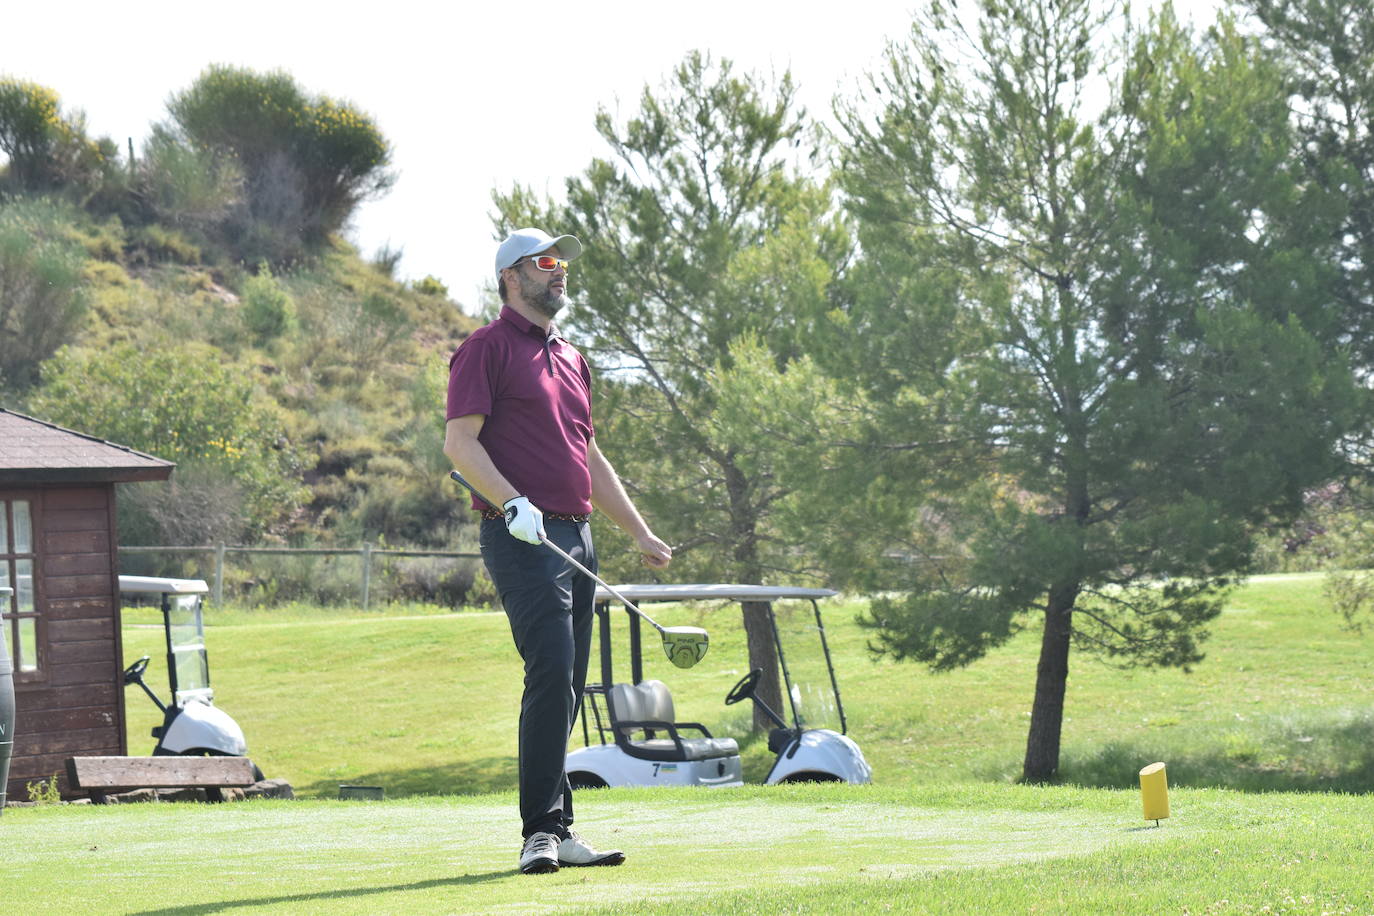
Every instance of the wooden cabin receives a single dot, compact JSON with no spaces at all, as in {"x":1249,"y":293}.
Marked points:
{"x":59,"y":551}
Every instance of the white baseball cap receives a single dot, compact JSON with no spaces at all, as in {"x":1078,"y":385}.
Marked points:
{"x":524,"y":242}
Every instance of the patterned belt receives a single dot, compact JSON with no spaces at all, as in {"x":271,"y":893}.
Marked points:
{"x":494,"y":514}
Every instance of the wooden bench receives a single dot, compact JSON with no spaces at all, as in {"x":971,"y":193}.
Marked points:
{"x":101,"y":776}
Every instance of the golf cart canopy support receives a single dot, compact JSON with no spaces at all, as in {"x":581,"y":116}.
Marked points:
{"x":188,"y":667}
{"x":192,"y":724}
{"x":641,"y":594}
{"x":666,"y":754}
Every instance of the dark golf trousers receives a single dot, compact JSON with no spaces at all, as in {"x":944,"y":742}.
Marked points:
{"x":549,"y":605}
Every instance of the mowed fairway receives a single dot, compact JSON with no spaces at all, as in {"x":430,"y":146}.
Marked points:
{"x":798,"y":849}
{"x":423,"y":703}
{"x":426,"y":703}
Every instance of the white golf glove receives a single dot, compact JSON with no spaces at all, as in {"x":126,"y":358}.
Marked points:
{"x":523,"y":520}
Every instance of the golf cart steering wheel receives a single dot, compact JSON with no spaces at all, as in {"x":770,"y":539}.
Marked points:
{"x":135,"y":671}
{"x":744,"y":689}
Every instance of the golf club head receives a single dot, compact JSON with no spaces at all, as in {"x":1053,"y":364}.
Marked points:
{"x":685,"y":646}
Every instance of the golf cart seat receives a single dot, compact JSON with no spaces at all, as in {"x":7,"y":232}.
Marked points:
{"x":647,"y":707}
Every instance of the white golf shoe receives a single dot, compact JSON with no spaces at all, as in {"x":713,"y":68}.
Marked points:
{"x":540,"y":854}
{"x":576,"y":851}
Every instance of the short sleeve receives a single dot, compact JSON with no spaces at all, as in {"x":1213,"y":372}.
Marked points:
{"x":472,"y":375}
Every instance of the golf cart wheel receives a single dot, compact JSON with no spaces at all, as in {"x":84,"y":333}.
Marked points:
{"x":809,"y":776}
{"x":584,"y":780}
{"x":744,"y":688}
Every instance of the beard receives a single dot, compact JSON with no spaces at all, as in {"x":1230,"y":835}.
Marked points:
{"x":545,"y":301}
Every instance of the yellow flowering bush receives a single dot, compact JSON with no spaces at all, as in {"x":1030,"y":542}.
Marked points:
{"x":45,"y":148}
{"x":307,"y":161}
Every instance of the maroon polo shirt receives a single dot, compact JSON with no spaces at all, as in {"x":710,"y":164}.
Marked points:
{"x":535,"y":392}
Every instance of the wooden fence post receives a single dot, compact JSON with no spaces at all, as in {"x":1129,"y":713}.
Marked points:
{"x":367,"y":573}
{"x":219,"y":576}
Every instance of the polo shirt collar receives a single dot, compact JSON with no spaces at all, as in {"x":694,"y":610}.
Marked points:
{"x":525,"y":326}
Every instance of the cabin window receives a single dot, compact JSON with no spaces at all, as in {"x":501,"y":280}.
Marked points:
{"x":19,"y":613}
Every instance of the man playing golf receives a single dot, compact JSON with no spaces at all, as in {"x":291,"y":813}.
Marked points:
{"x":520,"y":430}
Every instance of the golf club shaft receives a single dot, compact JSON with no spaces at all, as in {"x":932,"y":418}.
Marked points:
{"x":565,"y":555}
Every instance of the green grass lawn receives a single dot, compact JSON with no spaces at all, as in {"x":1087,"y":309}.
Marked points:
{"x":424,"y":702}
{"x":796,"y":849}
{"x":1268,"y":744}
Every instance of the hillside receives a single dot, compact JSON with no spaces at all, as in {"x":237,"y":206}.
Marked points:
{"x":352,"y":379}
{"x":199,"y":301}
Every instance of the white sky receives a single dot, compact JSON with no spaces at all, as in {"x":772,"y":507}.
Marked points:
{"x":473,"y":98}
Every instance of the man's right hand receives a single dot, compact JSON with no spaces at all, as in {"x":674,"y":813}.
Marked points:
{"x":524,"y":521}
{"x":653,"y":552}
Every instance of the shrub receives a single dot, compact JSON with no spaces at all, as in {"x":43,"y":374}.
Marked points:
{"x":343,"y":158}
{"x":46,"y":149}
{"x":202,"y":504}
{"x":395,"y":501}
{"x":28,"y":122}
{"x":103,"y":240}
{"x":185,"y":185}
{"x":43,"y":791}
{"x":307,"y":161}
{"x":358,"y":330}
{"x":387,"y":259}
{"x":159,"y":243}
{"x":42,"y":292}
{"x":107,"y":274}
{"x":267,"y":308}
{"x":180,"y":402}
{"x":449,"y":582}
{"x":431,"y":286}
{"x":158,"y":305}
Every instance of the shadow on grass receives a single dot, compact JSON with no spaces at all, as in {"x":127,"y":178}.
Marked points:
{"x":485,"y":775}
{"x":224,"y":905}
{"x":478,"y":776}
{"x":1331,"y":752}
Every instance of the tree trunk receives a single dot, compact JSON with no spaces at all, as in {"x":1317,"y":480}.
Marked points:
{"x":1052,"y":674}
{"x":763,"y":654}
{"x":758,"y":630}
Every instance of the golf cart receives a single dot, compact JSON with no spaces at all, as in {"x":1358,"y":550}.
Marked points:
{"x":648,"y":747}
{"x":192,"y":725}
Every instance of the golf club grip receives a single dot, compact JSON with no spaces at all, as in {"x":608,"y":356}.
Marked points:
{"x":565,"y":555}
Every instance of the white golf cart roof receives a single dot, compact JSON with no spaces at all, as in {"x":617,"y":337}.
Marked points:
{"x":152,"y":585}
{"x":718,"y":592}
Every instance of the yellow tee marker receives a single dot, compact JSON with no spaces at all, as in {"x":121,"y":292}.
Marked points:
{"x":1154,"y":792}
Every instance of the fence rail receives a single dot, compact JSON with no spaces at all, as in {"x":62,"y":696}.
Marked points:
{"x":365,"y":553}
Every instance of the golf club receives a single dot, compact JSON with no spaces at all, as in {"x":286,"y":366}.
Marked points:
{"x":684,"y":646}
